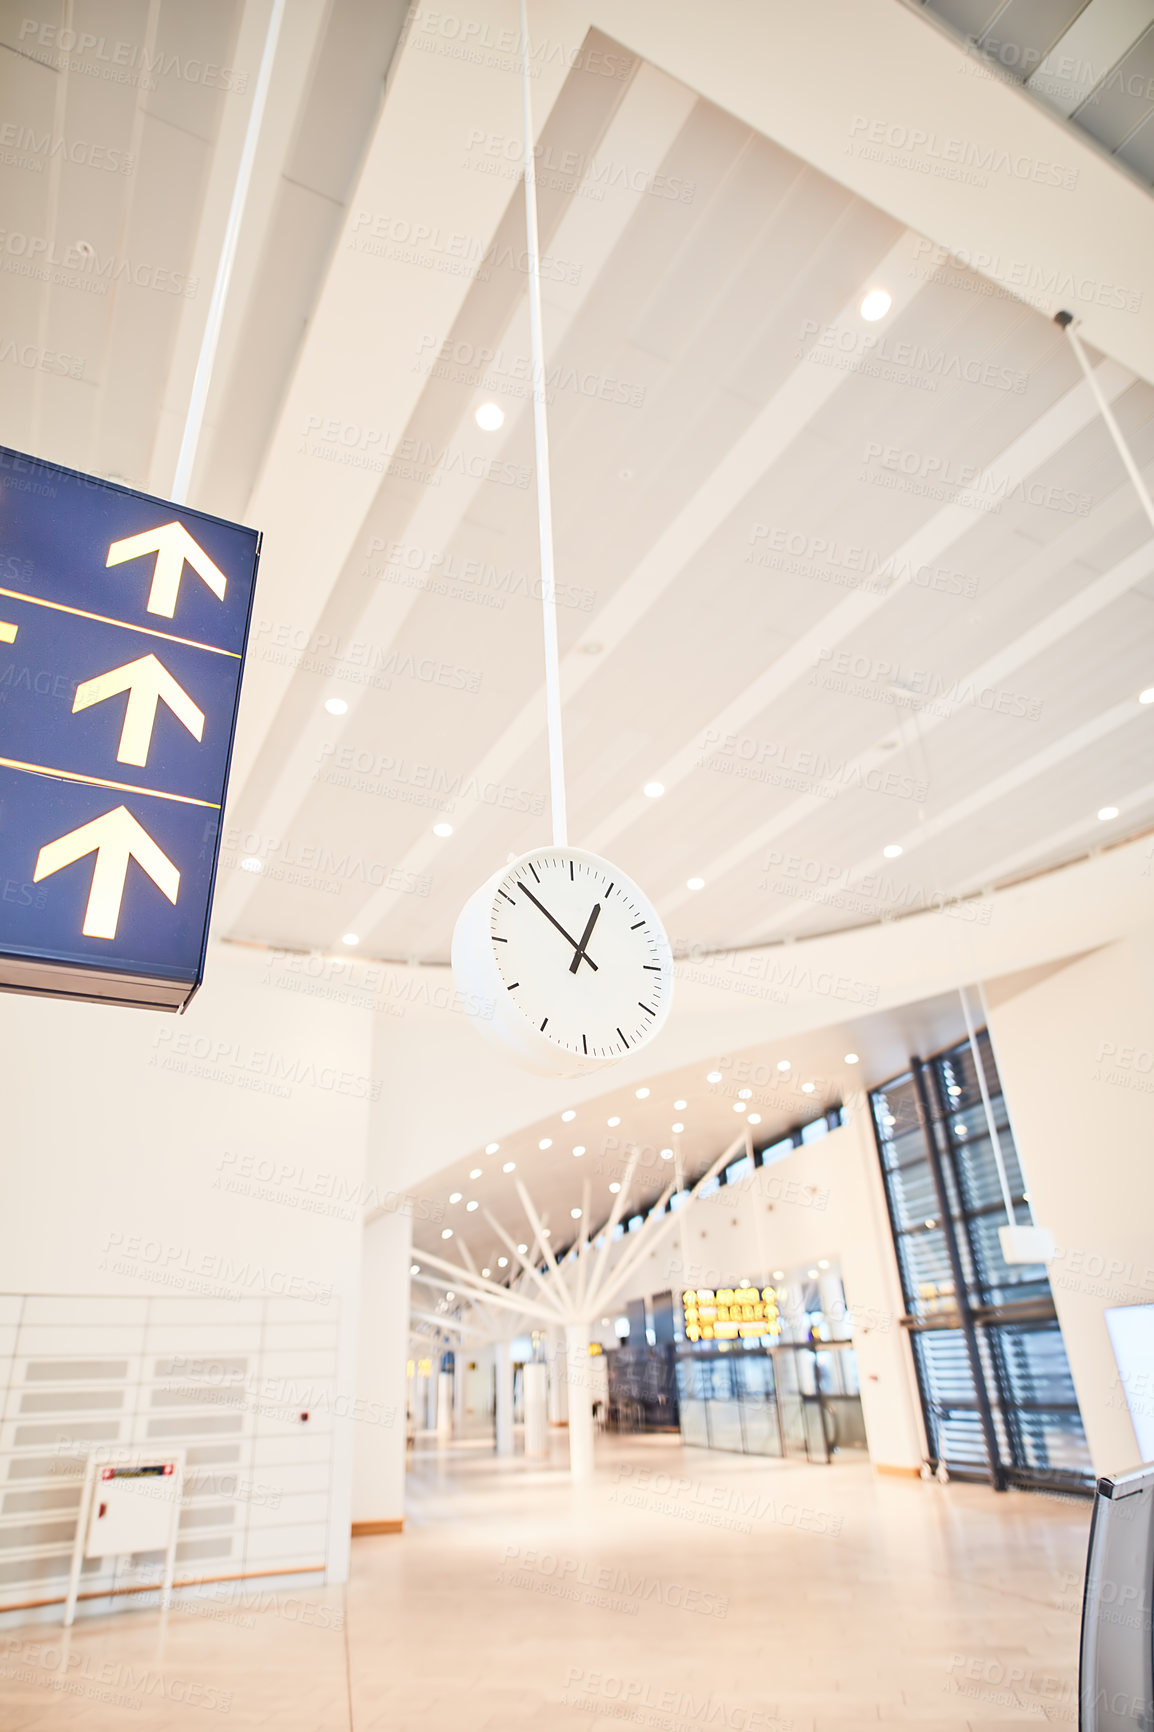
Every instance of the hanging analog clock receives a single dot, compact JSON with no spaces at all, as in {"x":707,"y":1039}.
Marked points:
{"x":571,"y":956}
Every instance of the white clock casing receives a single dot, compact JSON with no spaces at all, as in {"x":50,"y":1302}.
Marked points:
{"x":571,"y":990}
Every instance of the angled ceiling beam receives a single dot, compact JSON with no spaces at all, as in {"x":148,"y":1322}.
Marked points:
{"x":656,"y":1229}
{"x":489,"y":1290}
{"x":545,"y":1247}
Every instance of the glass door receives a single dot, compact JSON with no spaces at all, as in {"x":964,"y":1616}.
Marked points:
{"x":799,"y":1403}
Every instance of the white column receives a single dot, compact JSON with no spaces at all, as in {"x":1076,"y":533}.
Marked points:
{"x":580,"y":1401}
{"x":535,"y":1379}
{"x":445,"y":1404}
{"x":558,"y":1407}
{"x":432,"y":1384}
{"x":459,"y":1403}
{"x":832,"y":1296}
{"x":382,"y":1382}
{"x":503,"y":1362}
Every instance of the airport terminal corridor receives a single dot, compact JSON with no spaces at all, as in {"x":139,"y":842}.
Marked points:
{"x":576,"y":865}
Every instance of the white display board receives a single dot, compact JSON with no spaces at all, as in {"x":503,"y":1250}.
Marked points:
{"x":130,"y":1503}
{"x":1132,"y":1338}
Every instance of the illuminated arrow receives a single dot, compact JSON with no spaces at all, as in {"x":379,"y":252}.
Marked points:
{"x":116,"y":838}
{"x":146,"y":681}
{"x":7,"y":632}
{"x":174,"y":548}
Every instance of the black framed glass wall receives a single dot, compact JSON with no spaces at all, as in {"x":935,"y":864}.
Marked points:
{"x":793,"y":1399}
{"x":995,"y":1384}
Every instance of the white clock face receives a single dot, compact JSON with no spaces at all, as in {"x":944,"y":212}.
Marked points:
{"x":572,"y":958}
{"x":581,"y":953}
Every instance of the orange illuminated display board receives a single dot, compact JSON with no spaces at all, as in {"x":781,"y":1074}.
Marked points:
{"x":730,"y":1313}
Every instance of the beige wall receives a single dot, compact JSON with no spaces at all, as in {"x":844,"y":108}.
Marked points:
{"x":1076,"y":1055}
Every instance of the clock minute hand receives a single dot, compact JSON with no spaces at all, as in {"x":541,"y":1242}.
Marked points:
{"x":556,"y":923}
{"x":589,"y":925}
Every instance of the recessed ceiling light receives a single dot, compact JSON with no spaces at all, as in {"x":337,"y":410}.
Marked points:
{"x":667,"y":1154}
{"x":442,"y":829}
{"x":779,"y":1274}
{"x":812,"y":1273}
{"x":502,"y":1262}
{"x":642,"y":1094}
{"x":680,"y":1106}
{"x":351,"y":938}
{"x":486,"y":1273}
{"x":336,"y":706}
{"x":695,"y":883}
{"x":753,"y":1119}
{"x":889,"y":1119}
{"x":574,"y":1214}
{"x":414,"y":1268}
{"x":739,"y":1106}
{"x":509,"y":1167}
{"x":613,"y":1121}
{"x":615,"y":1187}
{"x":930,"y":1222}
{"x":745,"y":1094}
{"x":251,"y":864}
{"x":545,"y":1143}
{"x":807,"y":1088}
{"x":449,"y":1294}
{"x":1107,"y":812}
{"x":446,"y":1232}
{"x":876,"y":305}
{"x":491,"y":1148}
{"x":470,"y":1207}
{"x":714,"y":1076}
{"x":454,"y":1196}
{"x":678,"y":1128}
{"x":489,"y":416}
{"x":568,"y":1117}
{"x":851,"y":1058}
{"x":892,"y":850}
{"x":522,"y":1250}
{"x":783,"y":1064}
{"x":1146,"y":697}
{"x":823,"y":1262}
{"x":476,"y":1173}
{"x":653,"y":790}
{"x":578,"y":1149}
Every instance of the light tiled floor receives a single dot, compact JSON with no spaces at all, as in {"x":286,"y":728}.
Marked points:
{"x":682,"y":1590}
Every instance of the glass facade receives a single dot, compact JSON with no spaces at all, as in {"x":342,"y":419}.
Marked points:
{"x":792,"y":1400}
{"x":995,"y":1383}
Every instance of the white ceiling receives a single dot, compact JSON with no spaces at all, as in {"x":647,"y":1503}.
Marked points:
{"x":1091,"y":61}
{"x":956,"y":672}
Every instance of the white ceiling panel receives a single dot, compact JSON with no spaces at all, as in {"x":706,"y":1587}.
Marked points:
{"x":797,"y":551}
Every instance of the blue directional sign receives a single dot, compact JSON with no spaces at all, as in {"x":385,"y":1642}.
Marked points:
{"x":123,"y":624}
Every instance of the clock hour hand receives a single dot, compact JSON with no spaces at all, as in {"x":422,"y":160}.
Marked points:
{"x":589,"y":925}
{"x":557,"y":924}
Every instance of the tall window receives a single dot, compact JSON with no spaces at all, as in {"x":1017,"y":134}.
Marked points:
{"x":995,"y":1383}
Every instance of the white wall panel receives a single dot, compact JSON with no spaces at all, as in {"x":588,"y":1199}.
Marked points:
{"x":164,"y":1372}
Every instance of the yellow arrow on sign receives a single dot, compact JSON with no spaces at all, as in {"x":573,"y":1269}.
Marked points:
{"x":116,"y":838}
{"x":146,"y":681}
{"x":7,"y":632}
{"x":174,"y":549}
